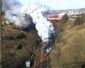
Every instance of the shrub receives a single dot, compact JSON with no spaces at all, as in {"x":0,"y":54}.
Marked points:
{"x":79,"y":21}
{"x":7,"y":37}
{"x":64,"y":19}
{"x":20,"y":36}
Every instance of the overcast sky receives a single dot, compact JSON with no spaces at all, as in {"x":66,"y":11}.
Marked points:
{"x":59,"y":4}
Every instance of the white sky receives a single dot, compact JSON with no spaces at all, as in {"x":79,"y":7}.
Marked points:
{"x":59,"y":4}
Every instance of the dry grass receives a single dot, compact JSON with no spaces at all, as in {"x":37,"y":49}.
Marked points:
{"x":17,"y":46}
{"x":69,"y":51}
{"x":74,"y":49}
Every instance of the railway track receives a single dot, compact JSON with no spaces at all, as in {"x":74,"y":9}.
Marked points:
{"x":41,"y":60}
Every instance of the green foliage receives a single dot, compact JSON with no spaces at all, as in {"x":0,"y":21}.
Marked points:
{"x":83,"y":15}
{"x":65,"y":18}
{"x":20,"y":36}
{"x":79,"y":21}
{"x":14,"y":35}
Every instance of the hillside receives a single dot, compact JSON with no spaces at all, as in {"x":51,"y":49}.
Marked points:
{"x":69,"y":50}
{"x":18,"y":46}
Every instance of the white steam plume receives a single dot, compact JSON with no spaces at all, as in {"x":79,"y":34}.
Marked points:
{"x":18,"y":16}
{"x":12,"y":13}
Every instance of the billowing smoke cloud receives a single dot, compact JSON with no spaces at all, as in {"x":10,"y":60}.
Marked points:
{"x":18,"y":14}
{"x":12,"y":13}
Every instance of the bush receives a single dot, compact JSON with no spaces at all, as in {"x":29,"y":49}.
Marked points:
{"x":20,"y":36}
{"x":14,"y":35}
{"x":79,"y":21}
{"x":7,"y":37}
{"x":83,"y":16}
{"x":64,"y":19}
